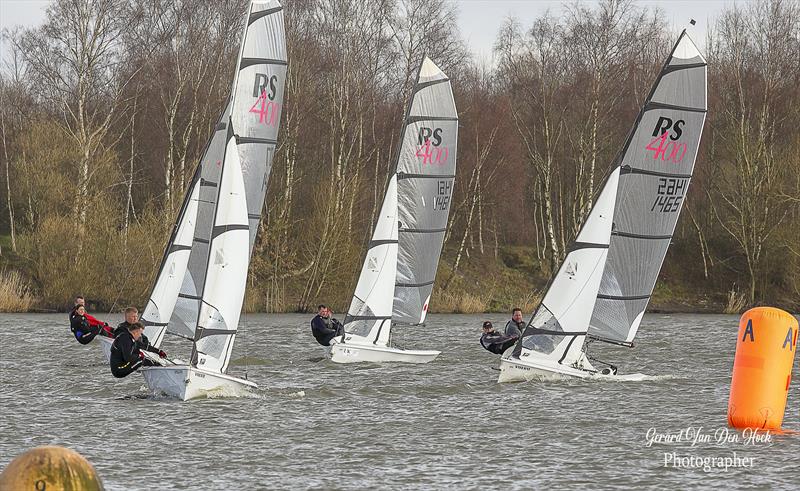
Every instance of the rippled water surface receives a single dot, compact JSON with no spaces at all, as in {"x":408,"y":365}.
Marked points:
{"x":314,"y":424}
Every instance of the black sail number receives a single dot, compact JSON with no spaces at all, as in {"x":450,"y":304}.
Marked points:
{"x":669,"y":194}
{"x":444,"y":189}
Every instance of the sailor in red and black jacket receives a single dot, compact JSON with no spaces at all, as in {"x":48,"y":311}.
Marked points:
{"x":85,"y":327}
{"x":126,"y":352}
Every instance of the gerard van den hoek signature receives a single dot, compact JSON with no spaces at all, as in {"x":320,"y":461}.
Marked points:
{"x":720,"y":436}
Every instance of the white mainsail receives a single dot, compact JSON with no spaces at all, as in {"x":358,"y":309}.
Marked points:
{"x":255,"y":111}
{"x":400,"y":266}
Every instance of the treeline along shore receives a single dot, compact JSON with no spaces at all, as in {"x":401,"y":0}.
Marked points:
{"x":105,"y":110}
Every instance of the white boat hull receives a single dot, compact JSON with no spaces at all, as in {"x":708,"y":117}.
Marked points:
{"x":105,"y":345}
{"x":517,"y":370}
{"x":357,"y":353}
{"x":520,"y":370}
{"x":185,"y":382}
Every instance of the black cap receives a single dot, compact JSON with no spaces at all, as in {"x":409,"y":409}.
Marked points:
{"x":487,"y":324}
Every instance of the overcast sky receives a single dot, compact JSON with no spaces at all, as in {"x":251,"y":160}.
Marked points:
{"x":479,"y":19}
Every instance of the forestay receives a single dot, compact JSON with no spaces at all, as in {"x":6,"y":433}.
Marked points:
{"x":655,"y":168}
{"x":400,"y":266}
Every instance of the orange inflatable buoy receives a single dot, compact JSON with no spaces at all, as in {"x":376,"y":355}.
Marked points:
{"x":762,"y":368}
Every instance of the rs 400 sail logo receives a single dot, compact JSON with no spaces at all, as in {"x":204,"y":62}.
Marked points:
{"x":664,"y":144}
{"x":429,"y":149}
{"x":266,"y":88}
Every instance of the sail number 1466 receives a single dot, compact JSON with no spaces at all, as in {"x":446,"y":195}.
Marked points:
{"x":444,"y":189}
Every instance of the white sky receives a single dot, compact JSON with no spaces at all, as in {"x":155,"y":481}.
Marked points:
{"x":479,"y":20}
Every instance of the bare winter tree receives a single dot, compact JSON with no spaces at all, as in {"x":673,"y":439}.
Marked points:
{"x":534,"y":66}
{"x":602,"y":42}
{"x":756,"y":67}
{"x":73,"y":63}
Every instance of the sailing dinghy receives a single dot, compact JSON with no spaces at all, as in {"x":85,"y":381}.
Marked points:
{"x":399,"y":270}
{"x":199,"y":291}
{"x":602,"y":288}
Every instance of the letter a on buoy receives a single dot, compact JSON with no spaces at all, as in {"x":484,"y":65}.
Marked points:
{"x":748,"y":331}
{"x":762,"y":368}
{"x":788,"y":340}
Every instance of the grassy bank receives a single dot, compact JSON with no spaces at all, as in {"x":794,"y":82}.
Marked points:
{"x":482,"y":283}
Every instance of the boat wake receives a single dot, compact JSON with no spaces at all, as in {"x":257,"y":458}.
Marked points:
{"x":228,"y":391}
{"x":630,"y":377}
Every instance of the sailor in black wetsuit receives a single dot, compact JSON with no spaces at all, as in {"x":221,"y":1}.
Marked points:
{"x":494,"y":341}
{"x":79,"y":302}
{"x":126,"y":352}
{"x":85,"y":327}
{"x":131,"y":318}
{"x":324,"y":328}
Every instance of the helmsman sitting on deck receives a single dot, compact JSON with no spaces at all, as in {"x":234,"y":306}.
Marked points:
{"x":126,"y":352}
{"x":131,"y":318}
{"x":494,"y":341}
{"x":516,"y":325}
{"x":324,"y":328}
{"x":84,"y":326}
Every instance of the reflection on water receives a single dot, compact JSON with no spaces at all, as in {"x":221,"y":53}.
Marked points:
{"x":313,"y":424}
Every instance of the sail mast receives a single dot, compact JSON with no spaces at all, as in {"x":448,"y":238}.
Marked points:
{"x":400,"y":265}
{"x":370,"y":308}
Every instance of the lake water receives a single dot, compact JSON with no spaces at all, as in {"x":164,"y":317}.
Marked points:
{"x":448,"y":424}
